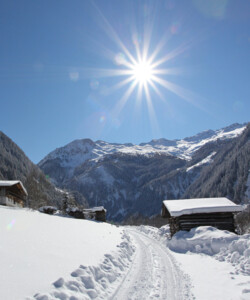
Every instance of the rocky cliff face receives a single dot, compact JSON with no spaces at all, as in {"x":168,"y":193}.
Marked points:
{"x":128,"y":178}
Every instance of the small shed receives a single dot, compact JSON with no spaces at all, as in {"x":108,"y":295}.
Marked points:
{"x":75,"y":212}
{"x":98,"y":213}
{"x":50,"y":210}
{"x":185,"y":214}
{"x":12,"y":193}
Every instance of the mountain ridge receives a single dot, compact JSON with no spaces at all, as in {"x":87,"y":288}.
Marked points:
{"x":103,"y":148}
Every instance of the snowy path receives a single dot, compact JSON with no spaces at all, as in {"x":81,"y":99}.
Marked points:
{"x":153,"y":274}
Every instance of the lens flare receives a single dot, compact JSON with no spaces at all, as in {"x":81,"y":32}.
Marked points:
{"x":11,"y":224}
{"x":102,"y":119}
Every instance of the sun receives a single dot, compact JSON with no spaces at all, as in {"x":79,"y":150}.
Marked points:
{"x":142,"y":72}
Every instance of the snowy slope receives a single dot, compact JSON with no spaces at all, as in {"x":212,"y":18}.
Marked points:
{"x":37,"y":249}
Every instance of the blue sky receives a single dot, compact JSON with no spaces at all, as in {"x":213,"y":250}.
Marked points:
{"x":59,"y":62}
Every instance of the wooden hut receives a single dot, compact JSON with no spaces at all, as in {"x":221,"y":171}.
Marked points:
{"x":186,"y":214}
{"x":98,"y":213}
{"x":12,"y":193}
{"x":50,"y":210}
{"x":75,"y":212}
{"x":95,"y":213}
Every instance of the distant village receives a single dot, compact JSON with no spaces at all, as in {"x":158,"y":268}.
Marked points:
{"x":14,"y":194}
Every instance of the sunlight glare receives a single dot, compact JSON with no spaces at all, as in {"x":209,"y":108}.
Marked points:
{"x":143,"y":69}
{"x":142,"y":72}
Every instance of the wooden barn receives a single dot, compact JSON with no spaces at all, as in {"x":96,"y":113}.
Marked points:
{"x":12,"y":193}
{"x":95,"y":213}
{"x":98,"y":213}
{"x":186,"y":214}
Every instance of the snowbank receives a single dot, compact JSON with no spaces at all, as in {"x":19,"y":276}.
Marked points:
{"x":206,"y":239}
{"x":90,"y":282}
{"x":158,"y":234}
{"x":224,"y":245}
{"x":238,"y":254}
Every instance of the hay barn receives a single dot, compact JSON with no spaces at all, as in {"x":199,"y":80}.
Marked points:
{"x":185,"y":214}
{"x":98,"y":213}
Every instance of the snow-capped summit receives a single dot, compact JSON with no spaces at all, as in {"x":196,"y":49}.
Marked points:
{"x":185,"y":148}
{"x":78,"y":151}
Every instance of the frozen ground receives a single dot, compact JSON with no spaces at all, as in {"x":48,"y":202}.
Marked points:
{"x":50,"y":257}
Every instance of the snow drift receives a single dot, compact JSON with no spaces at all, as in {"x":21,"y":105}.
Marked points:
{"x":224,"y":245}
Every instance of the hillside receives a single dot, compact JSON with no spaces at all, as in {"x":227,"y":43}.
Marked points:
{"x":129,"y":179}
{"x":14,"y":164}
{"x":228,"y":173}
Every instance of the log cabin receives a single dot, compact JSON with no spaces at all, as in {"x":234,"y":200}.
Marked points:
{"x":12,"y":193}
{"x":185,"y":214}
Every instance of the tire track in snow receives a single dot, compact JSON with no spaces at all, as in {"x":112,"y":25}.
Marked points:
{"x":153,"y":273}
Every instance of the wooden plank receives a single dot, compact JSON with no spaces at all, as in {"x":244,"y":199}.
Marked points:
{"x":201,"y":216}
{"x":207,"y":219}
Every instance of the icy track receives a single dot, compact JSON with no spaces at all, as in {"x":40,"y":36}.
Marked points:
{"x":153,"y":273}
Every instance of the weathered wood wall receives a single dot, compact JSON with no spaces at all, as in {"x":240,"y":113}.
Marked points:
{"x":223,"y":221}
{"x":100,"y":216}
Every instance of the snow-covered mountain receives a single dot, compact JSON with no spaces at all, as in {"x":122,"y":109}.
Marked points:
{"x":78,"y":151}
{"x":128,"y":178}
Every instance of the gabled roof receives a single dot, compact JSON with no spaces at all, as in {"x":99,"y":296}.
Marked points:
{"x":181,"y":207}
{"x":9,"y":183}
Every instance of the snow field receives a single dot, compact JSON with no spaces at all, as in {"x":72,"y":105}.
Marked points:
{"x":45,"y":257}
{"x":37,"y":250}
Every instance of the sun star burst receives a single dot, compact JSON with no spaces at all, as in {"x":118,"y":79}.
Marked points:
{"x":143,"y":69}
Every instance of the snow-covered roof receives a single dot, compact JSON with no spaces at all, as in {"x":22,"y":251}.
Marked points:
{"x":181,"y":207}
{"x":11,"y":183}
{"x":95,"y":209}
